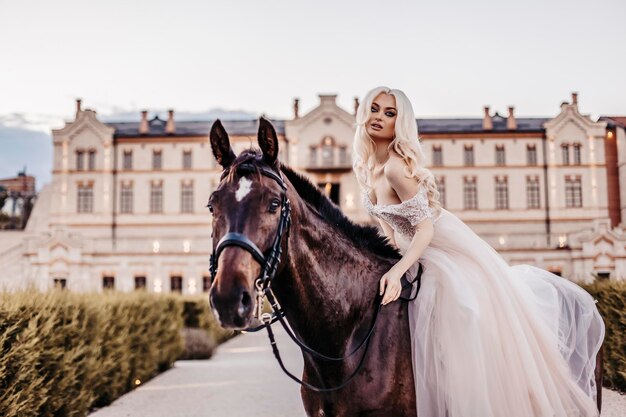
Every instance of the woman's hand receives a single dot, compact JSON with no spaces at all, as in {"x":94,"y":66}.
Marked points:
{"x":390,"y":285}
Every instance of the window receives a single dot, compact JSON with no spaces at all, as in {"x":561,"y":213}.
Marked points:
{"x":80,"y":161}
{"x":573,"y":192}
{"x":565,"y":152}
{"x":108,"y":283}
{"x":85,"y":198}
{"x":470,"y":193}
{"x":176,"y":283}
{"x":126,"y":198}
{"x":156,"y":198}
{"x":140,"y":283}
{"x":313,"y":156}
{"x":531,"y":155}
{"x":327,"y":155}
{"x":577,"y":160}
{"x":186,"y":198}
{"x":91,"y":160}
{"x":441,"y":187}
{"x":502,"y":193}
{"x":437,"y":156}
{"x":127,"y":161}
{"x":186,"y":159}
{"x":206,"y":283}
{"x":500,"y":156}
{"x":468,"y":155}
{"x":343,"y":156}
{"x":532,"y":192}
{"x":157,"y":159}
{"x":60,"y":283}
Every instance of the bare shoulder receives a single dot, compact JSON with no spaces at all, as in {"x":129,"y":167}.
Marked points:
{"x":395,"y":166}
{"x":395,"y":173}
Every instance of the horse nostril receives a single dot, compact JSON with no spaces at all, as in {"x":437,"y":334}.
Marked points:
{"x":246,"y":300}
{"x":245,"y":305}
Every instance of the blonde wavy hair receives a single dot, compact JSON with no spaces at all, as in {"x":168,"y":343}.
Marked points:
{"x":405,"y":143}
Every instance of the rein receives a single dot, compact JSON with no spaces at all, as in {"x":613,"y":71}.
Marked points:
{"x":269,"y":265}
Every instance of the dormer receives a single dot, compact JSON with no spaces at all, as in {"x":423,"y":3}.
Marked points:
{"x":573,"y":137}
{"x":81,"y":143}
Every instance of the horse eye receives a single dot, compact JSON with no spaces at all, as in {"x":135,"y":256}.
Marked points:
{"x":274,"y":205}
{"x":210,"y":207}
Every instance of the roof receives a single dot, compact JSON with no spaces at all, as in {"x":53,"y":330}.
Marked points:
{"x":193,"y":128}
{"x":614,"y":120}
{"x":250,"y":127}
{"x":524,"y":124}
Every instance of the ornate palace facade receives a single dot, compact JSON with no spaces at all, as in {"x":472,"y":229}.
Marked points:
{"x":126,"y":206}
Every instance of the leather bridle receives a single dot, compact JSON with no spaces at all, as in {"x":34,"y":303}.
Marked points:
{"x":269,"y":265}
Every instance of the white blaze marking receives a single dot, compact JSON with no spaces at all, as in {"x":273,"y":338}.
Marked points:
{"x":245,"y":185}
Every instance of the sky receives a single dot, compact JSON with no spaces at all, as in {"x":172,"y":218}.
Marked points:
{"x":451,"y":57}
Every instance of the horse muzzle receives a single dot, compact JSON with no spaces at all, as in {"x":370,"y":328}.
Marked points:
{"x":233,"y":309}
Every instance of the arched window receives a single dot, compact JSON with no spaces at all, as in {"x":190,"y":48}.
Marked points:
{"x":328,"y":151}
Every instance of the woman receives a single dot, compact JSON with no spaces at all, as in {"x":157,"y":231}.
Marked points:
{"x":488,"y":339}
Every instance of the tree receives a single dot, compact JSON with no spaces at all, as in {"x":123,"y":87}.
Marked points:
{"x":3,"y":196}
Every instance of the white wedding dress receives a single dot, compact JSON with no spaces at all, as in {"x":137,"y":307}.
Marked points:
{"x":489,"y":339}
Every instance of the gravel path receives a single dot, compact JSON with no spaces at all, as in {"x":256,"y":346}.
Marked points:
{"x":241,"y":380}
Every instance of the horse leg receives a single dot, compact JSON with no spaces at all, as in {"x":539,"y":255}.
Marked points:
{"x":599,"y":374}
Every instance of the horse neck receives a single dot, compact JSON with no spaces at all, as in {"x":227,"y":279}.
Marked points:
{"x":329,"y":283}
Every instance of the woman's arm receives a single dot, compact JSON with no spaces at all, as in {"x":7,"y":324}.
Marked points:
{"x":421,"y":240}
{"x":405,"y":188}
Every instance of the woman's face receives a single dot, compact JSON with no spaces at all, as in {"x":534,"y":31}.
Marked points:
{"x":382,"y":121}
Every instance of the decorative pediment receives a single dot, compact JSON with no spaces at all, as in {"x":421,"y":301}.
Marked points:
{"x":58,"y":250}
{"x":606,"y":238}
{"x":59,"y":239}
{"x":86,"y":121}
{"x":570,"y":118}
{"x":327,"y":111}
{"x":603,"y":245}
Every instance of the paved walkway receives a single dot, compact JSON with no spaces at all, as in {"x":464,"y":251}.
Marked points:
{"x":242,"y":379}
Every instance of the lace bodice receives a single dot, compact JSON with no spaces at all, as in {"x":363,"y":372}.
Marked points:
{"x":404,"y":216}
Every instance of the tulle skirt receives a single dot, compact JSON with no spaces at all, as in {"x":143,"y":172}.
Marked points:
{"x":489,"y":339}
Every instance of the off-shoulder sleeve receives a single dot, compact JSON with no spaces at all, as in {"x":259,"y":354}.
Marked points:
{"x":416,"y":209}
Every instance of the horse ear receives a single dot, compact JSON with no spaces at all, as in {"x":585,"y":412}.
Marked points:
{"x":268,"y":141}
{"x":220,"y":143}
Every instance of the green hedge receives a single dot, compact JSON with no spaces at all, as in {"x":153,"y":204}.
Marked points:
{"x":611,"y":296}
{"x":63,"y":353}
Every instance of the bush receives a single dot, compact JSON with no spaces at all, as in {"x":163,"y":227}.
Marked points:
{"x":197,"y":314}
{"x":202,"y":333}
{"x":199,"y":344}
{"x":63,"y":353}
{"x":611,"y":296}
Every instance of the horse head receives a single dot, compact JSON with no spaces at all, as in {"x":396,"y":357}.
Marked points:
{"x":249,"y":218}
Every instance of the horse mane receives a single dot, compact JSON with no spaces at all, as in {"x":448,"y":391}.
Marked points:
{"x":366,"y":237}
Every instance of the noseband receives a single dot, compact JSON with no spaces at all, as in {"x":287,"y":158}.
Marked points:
{"x":269,"y":263}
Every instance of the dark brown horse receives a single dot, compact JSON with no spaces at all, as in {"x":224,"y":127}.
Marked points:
{"x":326,"y":281}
